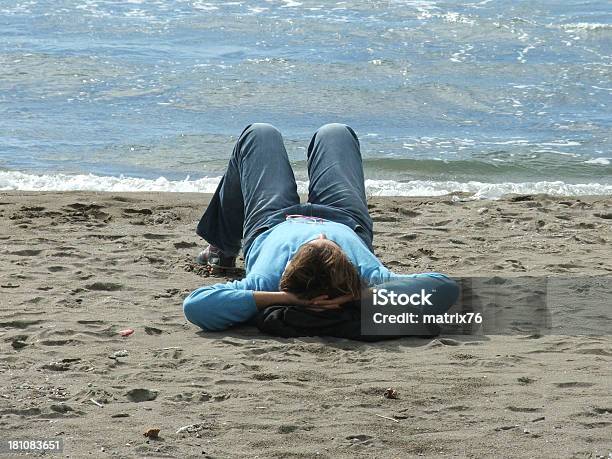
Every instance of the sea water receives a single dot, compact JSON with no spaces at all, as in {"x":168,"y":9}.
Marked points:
{"x":487,"y":97}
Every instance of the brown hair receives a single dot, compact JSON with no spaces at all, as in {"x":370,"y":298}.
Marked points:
{"x":320,"y":269}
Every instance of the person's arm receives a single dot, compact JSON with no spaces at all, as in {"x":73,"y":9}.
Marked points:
{"x":219,"y":306}
{"x":265,"y":299}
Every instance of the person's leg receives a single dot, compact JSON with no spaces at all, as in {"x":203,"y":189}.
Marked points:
{"x":258,"y":182}
{"x":335,"y":171}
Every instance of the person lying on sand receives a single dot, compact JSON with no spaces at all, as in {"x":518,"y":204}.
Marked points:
{"x":315,"y":255}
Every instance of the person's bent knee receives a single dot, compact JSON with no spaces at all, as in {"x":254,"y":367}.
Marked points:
{"x":333,"y":129}
{"x":261,"y":129}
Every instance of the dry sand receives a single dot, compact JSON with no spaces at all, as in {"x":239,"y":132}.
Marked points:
{"x":79,"y":267}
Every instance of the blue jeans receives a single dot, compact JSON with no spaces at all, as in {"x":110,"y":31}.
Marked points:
{"x":258,"y":189}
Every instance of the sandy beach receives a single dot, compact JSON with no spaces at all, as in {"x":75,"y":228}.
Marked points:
{"x":79,"y":267}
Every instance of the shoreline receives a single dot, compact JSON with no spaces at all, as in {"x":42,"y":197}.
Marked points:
{"x":58,"y":182}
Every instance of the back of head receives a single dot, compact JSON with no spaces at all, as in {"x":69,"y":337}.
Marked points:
{"x":320,"y":269}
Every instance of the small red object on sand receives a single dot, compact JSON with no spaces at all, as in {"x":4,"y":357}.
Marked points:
{"x":126,"y":332}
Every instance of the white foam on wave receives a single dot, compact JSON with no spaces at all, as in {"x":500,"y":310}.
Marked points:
{"x":453,"y":17}
{"x":89,"y":182}
{"x":599,"y":161}
{"x":591,"y":26}
{"x":290,"y":4}
{"x":10,"y":180}
{"x":482,"y":190}
{"x":203,"y":6}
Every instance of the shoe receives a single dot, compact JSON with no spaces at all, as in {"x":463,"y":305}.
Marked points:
{"x":213,"y":256}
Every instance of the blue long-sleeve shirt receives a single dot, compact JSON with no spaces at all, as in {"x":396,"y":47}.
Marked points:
{"x":220,"y":306}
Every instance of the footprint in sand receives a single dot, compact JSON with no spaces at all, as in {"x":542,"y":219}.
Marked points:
{"x":104,"y":286}
{"x":598,"y":410}
{"x":144,"y":211}
{"x":107,"y":237}
{"x":91,"y":322}
{"x":527,"y":409}
{"x":32,"y":208}
{"x":185,"y":245}
{"x":384,"y":218}
{"x":172,"y":354}
{"x":26,"y":253}
{"x":230,"y":382}
{"x":595,"y":351}
{"x":156,"y":237}
{"x":123,"y":199}
{"x":9,"y":285}
{"x":596,"y":425}
{"x":84,"y":212}
{"x":82,"y":207}
{"x":18,"y":341}
{"x":60,"y":342}
{"x":61,"y":410}
{"x":264,"y":377}
{"x":153,"y":331}
{"x":288,"y":429}
{"x":56,"y":269}
{"x":406,"y":212}
{"x":573,"y":384}
{"x":141,"y":395}
{"x":21,"y":324}
{"x":99,"y":395}
{"x":67,"y":254}
{"x":441,"y":223}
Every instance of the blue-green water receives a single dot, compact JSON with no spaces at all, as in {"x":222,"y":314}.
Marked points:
{"x":495,"y":95}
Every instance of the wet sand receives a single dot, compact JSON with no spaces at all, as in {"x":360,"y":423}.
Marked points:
{"x":77,"y":268}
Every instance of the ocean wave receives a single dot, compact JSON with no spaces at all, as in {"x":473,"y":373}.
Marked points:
{"x":89,"y":182}
{"x":482,"y":190}
{"x":592,"y":26}
{"x":11,"y":180}
{"x":599,"y":161}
